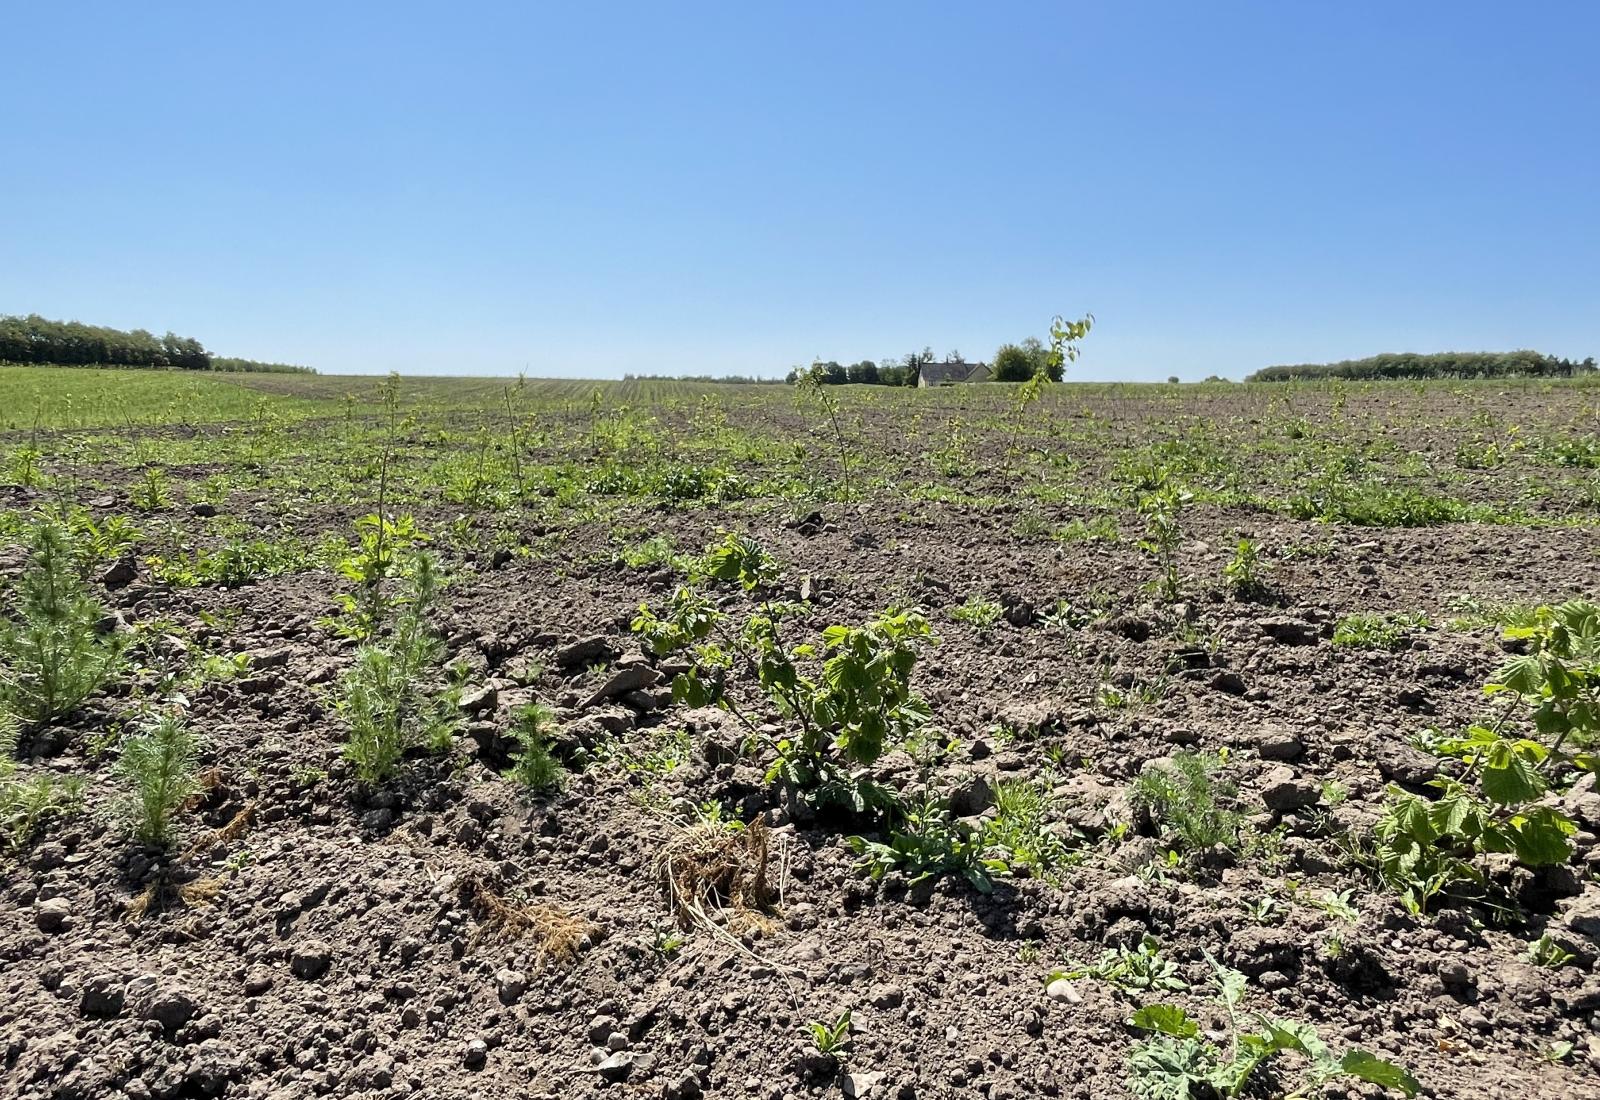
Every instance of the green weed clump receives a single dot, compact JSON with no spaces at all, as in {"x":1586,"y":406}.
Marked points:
{"x":1374,"y":631}
{"x":161,"y":770}
{"x":1177,"y":1062}
{"x":386,"y":700}
{"x":26,"y":805}
{"x":1187,"y":802}
{"x":53,"y":652}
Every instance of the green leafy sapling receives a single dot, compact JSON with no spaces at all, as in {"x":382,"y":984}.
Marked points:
{"x":54,"y":653}
{"x":1245,"y":572}
{"x":160,"y":768}
{"x":1163,"y":533}
{"x":841,"y":719}
{"x":1546,"y":727}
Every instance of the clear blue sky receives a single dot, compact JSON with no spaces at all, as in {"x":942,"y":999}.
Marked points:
{"x":588,"y":189}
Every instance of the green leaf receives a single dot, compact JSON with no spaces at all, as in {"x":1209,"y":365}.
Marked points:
{"x":1374,"y":1070}
{"x":1540,"y":836}
{"x":1507,"y":778}
{"x":1167,"y":1019}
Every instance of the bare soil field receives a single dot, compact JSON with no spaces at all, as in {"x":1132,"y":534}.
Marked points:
{"x":1186,"y":649}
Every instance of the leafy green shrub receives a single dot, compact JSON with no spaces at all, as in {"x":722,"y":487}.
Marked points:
{"x":382,"y":545}
{"x":54,"y":654}
{"x":385,"y":698}
{"x":1424,"y":848}
{"x":1163,"y":532}
{"x":160,"y":768}
{"x":1131,"y":970}
{"x":27,"y":804}
{"x":1186,"y":802}
{"x":1177,"y":1063}
{"x":1245,"y":573}
{"x":1375,"y":631}
{"x":533,"y":766}
{"x":861,"y":701}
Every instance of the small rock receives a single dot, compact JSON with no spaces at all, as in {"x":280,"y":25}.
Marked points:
{"x":585,"y":652}
{"x":1287,"y":631}
{"x":623,"y":681}
{"x":510,"y":986}
{"x":102,"y":995}
{"x":1230,"y":682}
{"x":310,"y":960}
{"x":1276,"y":743}
{"x":172,"y":1008}
{"x":475,"y":1054}
{"x":1063,"y":990}
{"x":1281,"y":791}
{"x":52,"y":916}
{"x":257,"y":982}
{"x":887,"y":996}
{"x":479,"y":700}
{"x":860,"y":1084}
{"x":121,"y":574}
{"x":972,"y":796}
{"x":202,"y":509}
{"x":617,"y":1067}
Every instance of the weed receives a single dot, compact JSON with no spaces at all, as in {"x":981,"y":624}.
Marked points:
{"x":1177,"y":1063}
{"x":978,"y":612}
{"x":1546,"y":952}
{"x":928,"y":843}
{"x":1135,"y":970}
{"x":1182,"y":797}
{"x":54,"y":653}
{"x":161,"y":769}
{"x":151,"y":493}
{"x":831,"y":1039}
{"x":26,"y":805}
{"x":1374,"y":631}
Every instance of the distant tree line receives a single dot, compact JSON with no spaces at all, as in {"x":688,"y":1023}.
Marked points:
{"x":33,"y":339}
{"x":724,"y":379}
{"x":1444,"y":364}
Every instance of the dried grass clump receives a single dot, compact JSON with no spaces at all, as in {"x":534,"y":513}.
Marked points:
{"x":236,"y":827}
{"x":561,"y":936}
{"x":710,"y":867}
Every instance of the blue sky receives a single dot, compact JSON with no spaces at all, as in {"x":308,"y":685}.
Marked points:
{"x":592,"y":189}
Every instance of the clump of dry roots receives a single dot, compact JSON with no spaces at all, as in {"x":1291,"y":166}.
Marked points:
{"x":560,"y":936}
{"x":709,"y":868}
{"x":166,"y":891}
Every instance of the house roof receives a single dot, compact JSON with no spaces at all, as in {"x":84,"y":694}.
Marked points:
{"x":939,"y":374}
